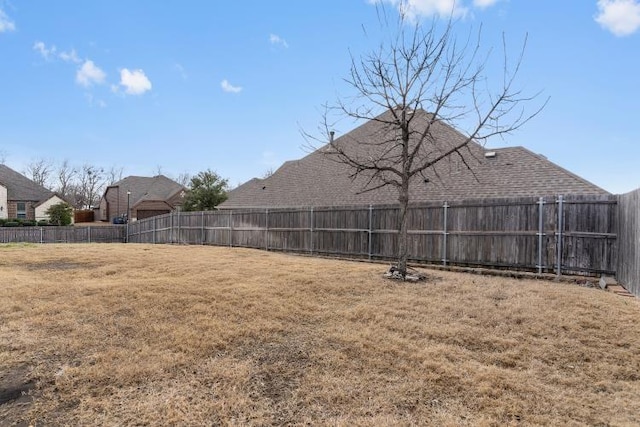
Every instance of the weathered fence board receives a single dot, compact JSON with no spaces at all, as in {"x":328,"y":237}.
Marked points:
{"x":628,"y":271}
{"x":575,"y":234}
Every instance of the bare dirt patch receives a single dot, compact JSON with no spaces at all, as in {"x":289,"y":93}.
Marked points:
{"x":15,"y":395}
{"x":174,"y":335}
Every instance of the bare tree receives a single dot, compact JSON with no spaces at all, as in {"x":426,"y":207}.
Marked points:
{"x":3,"y":157}
{"x":423,"y":78}
{"x":39,"y":170}
{"x":90,"y":184}
{"x":114,"y":174}
{"x":267,"y":173}
{"x":184,"y":179}
{"x":66,"y":175}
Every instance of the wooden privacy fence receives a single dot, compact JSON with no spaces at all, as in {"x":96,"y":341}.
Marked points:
{"x":628,"y":269}
{"x":101,"y":234}
{"x":575,"y":234}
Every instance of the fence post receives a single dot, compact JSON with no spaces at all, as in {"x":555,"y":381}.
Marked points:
{"x":266,"y":229}
{"x":559,"y":236}
{"x":540,"y":232}
{"x":41,"y":235}
{"x":155,"y":229}
{"x":230,"y":227}
{"x":204,"y":237}
{"x":445,"y":209}
{"x":170,"y":226}
{"x":89,"y":234}
{"x":179,"y":239}
{"x":311,"y":229}
{"x":370,"y":229}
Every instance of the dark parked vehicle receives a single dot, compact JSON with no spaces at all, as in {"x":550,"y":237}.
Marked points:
{"x":120,"y":219}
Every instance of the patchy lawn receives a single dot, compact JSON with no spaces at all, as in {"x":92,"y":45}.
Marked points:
{"x":160,"y":335}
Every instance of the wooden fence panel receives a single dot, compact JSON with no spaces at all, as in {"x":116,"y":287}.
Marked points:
{"x":589,"y":234}
{"x":628,"y":262}
{"x":20,"y":234}
{"x":217,"y":229}
{"x":71,"y":234}
{"x":106,"y":234}
{"x":341,"y":218}
{"x":344,"y":242}
{"x":290,"y":240}
{"x":497,"y":250}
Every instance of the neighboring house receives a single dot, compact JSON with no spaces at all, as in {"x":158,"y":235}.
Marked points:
{"x":22,"y":198}
{"x":319,"y":180}
{"x":145,"y":196}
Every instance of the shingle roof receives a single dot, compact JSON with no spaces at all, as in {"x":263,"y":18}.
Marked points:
{"x":142,"y":188}
{"x":317,"y":180}
{"x":19,"y":187}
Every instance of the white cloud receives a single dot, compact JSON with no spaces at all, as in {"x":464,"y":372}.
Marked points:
{"x":228,"y":87}
{"x":46,"y":53}
{"x":50,"y":53}
{"x":417,"y":8}
{"x":135,"y":82}
{"x":482,"y":4}
{"x":621,"y":17}
{"x":89,"y":74}
{"x":414,"y":9}
{"x":277,"y":40}
{"x":71,"y":56}
{"x":6,"y":24}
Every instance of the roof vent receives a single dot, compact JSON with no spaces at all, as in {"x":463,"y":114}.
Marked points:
{"x":490,"y":154}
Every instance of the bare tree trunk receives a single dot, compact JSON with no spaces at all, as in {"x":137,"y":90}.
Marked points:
{"x":403,"y":235}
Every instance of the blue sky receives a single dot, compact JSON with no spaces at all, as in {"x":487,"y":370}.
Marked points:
{"x":191,"y":85}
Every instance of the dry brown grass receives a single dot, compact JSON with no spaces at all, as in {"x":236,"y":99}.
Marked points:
{"x":161,"y":335}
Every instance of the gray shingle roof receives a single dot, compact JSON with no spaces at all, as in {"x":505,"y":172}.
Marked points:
{"x":317,"y":180}
{"x":142,"y":188}
{"x":19,"y":187}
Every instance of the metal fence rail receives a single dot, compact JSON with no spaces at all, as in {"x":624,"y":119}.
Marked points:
{"x":571,"y":234}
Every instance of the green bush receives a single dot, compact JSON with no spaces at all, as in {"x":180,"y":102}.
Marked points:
{"x":11,"y":224}
{"x":43,"y":223}
{"x":60,"y":214}
{"x":28,"y":223}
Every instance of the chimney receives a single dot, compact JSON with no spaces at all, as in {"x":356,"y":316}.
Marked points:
{"x":331,"y":134}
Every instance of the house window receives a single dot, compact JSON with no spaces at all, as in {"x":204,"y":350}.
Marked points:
{"x":21,"y":210}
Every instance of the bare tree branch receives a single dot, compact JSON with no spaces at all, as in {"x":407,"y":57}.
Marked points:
{"x":39,"y":170}
{"x":417,"y":89}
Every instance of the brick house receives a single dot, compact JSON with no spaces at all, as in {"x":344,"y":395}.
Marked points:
{"x":145,"y":196}
{"x":21,"y":198}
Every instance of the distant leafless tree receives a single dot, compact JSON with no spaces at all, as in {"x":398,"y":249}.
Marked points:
{"x":422,"y":68}
{"x":158,"y":170}
{"x":114,"y":174}
{"x":91,"y":181}
{"x":184,"y":178}
{"x":40,"y":170}
{"x":3,"y":157}
{"x":66,"y":175}
{"x":267,"y":173}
